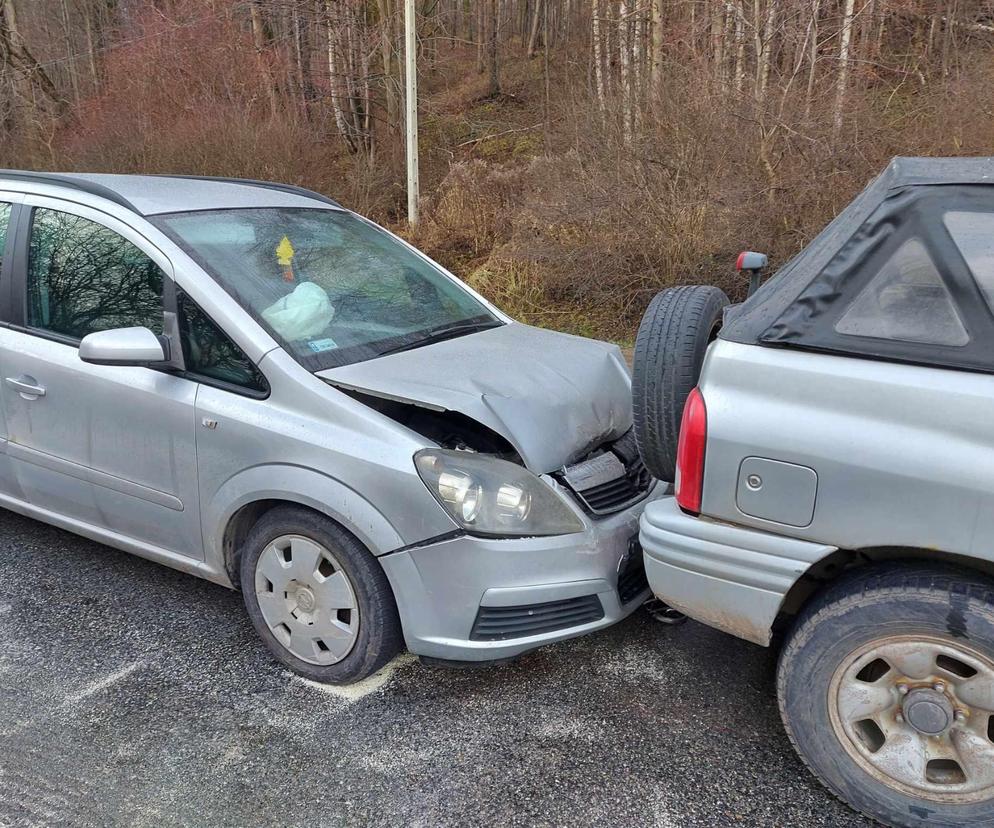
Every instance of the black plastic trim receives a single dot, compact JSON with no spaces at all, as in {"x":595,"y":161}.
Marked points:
{"x":7,"y":267}
{"x":17,"y":291}
{"x":502,"y":623}
{"x":632,"y":580}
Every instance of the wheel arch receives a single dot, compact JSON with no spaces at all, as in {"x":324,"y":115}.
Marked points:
{"x":820,"y":575}
{"x":247,"y":496}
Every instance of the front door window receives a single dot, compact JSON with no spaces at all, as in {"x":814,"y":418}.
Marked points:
{"x":84,"y":277}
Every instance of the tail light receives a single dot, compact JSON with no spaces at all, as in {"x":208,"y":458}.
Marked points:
{"x":690,"y":453}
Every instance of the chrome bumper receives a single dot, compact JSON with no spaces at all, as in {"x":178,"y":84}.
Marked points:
{"x":723,"y":575}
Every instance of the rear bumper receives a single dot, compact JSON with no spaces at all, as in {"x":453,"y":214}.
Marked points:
{"x":723,"y":575}
{"x":475,"y":599}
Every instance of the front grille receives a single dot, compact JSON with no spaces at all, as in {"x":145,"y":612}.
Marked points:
{"x":498,"y":623}
{"x":618,"y":493}
{"x":630,"y":483}
{"x":631,"y":580}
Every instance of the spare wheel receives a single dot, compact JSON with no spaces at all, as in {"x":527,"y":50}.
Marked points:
{"x":669,"y":350}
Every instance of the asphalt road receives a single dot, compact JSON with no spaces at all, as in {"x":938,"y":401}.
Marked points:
{"x":134,"y":695}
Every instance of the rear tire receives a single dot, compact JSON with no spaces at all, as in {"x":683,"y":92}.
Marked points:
{"x":318,"y":599}
{"x":886,"y":689}
{"x":669,"y":351}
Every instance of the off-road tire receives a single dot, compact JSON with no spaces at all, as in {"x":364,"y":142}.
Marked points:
{"x":380,"y":634}
{"x":669,"y":351}
{"x":888,"y":599}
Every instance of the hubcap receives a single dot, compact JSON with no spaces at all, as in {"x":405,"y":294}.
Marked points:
{"x":307,"y":600}
{"x":917,"y":713}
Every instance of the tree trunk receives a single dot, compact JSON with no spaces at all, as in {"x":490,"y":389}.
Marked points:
{"x":595,"y":32}
{"x":493,"y":52}
{"x":624,"y":51}
{"x":536,"y":17}
{"x":71,"y":60}
{"x":30,"y":78}
{"x":258,"y":28}
{"x":656,"y":74}
{"x":337,"y":74}
{"x":763,"y":36}
{"x":739,"y":45}
{"x":481,"y":35}
{"x":386,"y":58}
{"x":302,"y":51}
{"x":718,"y":16}
{"x":843,"y":80}
{"x":91,"y":50}
{"x":768,"y":30}
{"x":812,"y":60}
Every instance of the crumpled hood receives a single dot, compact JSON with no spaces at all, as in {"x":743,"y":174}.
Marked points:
{"x":551,"y":395}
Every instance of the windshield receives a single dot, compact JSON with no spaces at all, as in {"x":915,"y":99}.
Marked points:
{"x":333,"y":288}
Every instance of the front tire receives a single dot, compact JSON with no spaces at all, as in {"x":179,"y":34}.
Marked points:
{"x":886,"y":688}
{"x":318,"y":599}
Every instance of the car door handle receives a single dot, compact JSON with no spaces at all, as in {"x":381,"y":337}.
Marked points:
{"x":26,"y":386}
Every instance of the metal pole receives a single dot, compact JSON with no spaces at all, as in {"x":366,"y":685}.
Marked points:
{"x":411,"y":60}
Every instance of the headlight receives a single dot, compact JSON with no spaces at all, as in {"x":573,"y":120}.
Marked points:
{"x":487,"y":496}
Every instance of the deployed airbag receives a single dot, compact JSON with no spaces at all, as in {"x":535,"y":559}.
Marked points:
{"x":304,"y":313}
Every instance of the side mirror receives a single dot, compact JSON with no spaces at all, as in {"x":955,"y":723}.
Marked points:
{"x":123,"y":346}
{"x":754,"y":263}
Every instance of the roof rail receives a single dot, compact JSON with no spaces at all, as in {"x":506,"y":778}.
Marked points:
{"x":70,"y":181}
{"x":252,"y":182}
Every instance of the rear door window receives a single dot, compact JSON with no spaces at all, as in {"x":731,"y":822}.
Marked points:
{"x":907,"y":301}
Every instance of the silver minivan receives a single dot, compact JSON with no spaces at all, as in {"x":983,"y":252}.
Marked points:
{"x":247,"y":382}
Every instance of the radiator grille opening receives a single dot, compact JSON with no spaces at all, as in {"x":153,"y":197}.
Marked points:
{"x":498,"y":623}
{"x":630,"y":485}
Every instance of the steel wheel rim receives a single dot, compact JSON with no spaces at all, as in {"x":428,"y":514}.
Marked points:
{"x":307,"y":600}
{"x":917,"y":713}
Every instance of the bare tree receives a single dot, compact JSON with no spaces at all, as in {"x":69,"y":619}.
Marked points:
{"x":34,"y":93}
{"x":599,"y":74}
{"x":493,"y":49}
{"x":845,"y":38}
{"x":536,"y":16}
{"x":348,"y":72}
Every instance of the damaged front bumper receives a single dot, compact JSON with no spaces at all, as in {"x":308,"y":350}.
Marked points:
{"x":481,"y":599}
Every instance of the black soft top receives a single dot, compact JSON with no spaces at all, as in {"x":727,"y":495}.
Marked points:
{"x":802,"y":304}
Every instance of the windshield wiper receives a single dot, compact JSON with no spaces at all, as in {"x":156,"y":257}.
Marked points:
{"x":443,"y":333}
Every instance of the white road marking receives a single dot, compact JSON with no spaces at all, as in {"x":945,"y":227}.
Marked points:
{"x":353,"y":692}
{"x":102,"y":684}
{"x":72,"y":699}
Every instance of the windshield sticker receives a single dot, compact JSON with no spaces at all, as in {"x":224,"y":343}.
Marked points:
{"x":319,"y":345}
{"x":284,"y":255}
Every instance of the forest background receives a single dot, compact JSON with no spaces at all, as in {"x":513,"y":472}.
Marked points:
{"x":576,"y":155}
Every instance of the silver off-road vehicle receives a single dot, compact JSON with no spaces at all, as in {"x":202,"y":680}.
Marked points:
{"x":835,"y":486}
